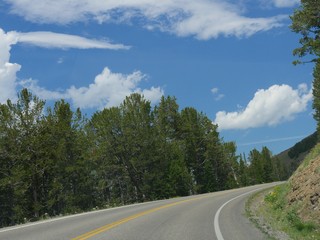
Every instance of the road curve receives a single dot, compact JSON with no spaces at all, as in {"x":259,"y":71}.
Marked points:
{"x":218,"y":215}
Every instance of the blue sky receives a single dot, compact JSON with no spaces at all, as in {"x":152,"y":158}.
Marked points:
{"x":231,"y":60}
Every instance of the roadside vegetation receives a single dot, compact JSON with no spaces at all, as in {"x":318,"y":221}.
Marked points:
{"x":291,"y":210}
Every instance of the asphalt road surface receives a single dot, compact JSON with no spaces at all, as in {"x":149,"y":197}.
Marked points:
{"x":218,"y":215}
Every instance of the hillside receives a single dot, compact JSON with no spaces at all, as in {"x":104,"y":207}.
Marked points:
{"x":291,"y":210}
{"x":293,"y":156}
{"x":304,"y":188}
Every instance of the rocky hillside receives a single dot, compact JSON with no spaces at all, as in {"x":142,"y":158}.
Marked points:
{"x":291,"y":210}
{"x":305,"y":187}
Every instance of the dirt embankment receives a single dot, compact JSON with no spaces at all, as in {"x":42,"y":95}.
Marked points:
{"x":305,"y":190}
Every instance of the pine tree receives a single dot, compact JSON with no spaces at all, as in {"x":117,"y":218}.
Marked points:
{"x":168,"y":149}
{"x":316,"y":94}
{"x":256,"y":167}
{"x":306,"y":21}
{"x":267,"y":164}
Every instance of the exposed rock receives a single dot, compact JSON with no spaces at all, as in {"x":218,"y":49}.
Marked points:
{"x":305,"y":191}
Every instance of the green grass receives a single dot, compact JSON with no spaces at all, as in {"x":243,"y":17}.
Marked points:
{"x":279,"y":216}
{"x":315,"y":152}
{"x":252,"y":215}
{"x":276,"y":212}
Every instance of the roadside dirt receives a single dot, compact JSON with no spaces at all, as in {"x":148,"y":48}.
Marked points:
{"x":305,"y":191}
{"x":253,"y":207}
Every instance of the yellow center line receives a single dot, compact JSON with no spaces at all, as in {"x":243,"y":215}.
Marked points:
{"x":127,"y":219}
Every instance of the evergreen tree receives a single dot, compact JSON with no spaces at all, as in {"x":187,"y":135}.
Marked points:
{"x":8,"y":161}
{"x":139,"y":143}
{"x":24,"y":170}
{"x":243,"y":171}
{"x":168,"y":150}
{"x":256,"y":167}
{"x":57,"y":161}
{"x":67,"y":192}
{"x":306,"y":21}
{"x":316,"y":94}
{"x":179,"y":177}
{"x":230,"y":149}
{"x":216,"y":169}
{"x":113,"y":184}
{"x":267,"y":165}
{"x":193,"y":131}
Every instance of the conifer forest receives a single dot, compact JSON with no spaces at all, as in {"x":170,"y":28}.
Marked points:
{"x":56,"y":161}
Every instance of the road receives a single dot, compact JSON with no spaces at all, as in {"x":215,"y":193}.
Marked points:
{"x":218,"y":215}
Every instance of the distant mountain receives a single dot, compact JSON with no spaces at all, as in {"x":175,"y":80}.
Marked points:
{"x":293,"y":156}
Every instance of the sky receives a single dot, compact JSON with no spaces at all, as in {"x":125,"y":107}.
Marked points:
{"x":231,"y":60}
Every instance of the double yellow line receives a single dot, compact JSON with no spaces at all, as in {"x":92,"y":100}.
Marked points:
{"x":127,"y":219}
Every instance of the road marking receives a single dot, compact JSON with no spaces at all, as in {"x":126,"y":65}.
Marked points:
{"x":71,"y":216}
{"x":216,"y":217}
{"x":127,"y":219}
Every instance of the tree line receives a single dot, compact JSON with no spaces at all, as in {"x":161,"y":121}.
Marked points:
{"x":57,"y":161}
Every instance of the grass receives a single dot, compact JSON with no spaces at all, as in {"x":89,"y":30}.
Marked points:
{"x":278,"y":216}
{"x":272,"y":213}
{"x":315,"y":152}
{"x":252,"y":214}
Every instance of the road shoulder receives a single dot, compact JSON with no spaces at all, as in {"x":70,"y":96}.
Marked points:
{"x":254,"y":208}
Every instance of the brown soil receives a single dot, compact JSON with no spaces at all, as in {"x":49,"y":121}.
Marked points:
{"x":305,"y":191}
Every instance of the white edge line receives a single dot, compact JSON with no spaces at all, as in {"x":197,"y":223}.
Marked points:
{"x":72,"y":216}
{"x":216,"y":217}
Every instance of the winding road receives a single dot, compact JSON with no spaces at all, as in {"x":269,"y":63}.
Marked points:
{"x":218,"y":215}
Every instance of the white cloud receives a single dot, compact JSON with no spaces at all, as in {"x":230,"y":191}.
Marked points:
{"x":215,"y":92}
{"x":153,"y":94}
{"x":285,"y":3}
{"x":203,"y":19}
{"x":8,"y":70}
{"x":64,"y":41}
{"x":41,"y":92}
{"x":108,"y":89}
{"x":269,"y":107}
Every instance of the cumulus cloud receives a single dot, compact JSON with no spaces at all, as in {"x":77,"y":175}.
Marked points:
{"x":269,"y":107}
{"x":8,"y":70}
{"x":108,"y":89}
{"x":41,"y":92}
{"x":203,"y":19}
{"x":153,"y":94}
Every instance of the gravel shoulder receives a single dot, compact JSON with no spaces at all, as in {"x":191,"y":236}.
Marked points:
{"x":255,"y":212}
